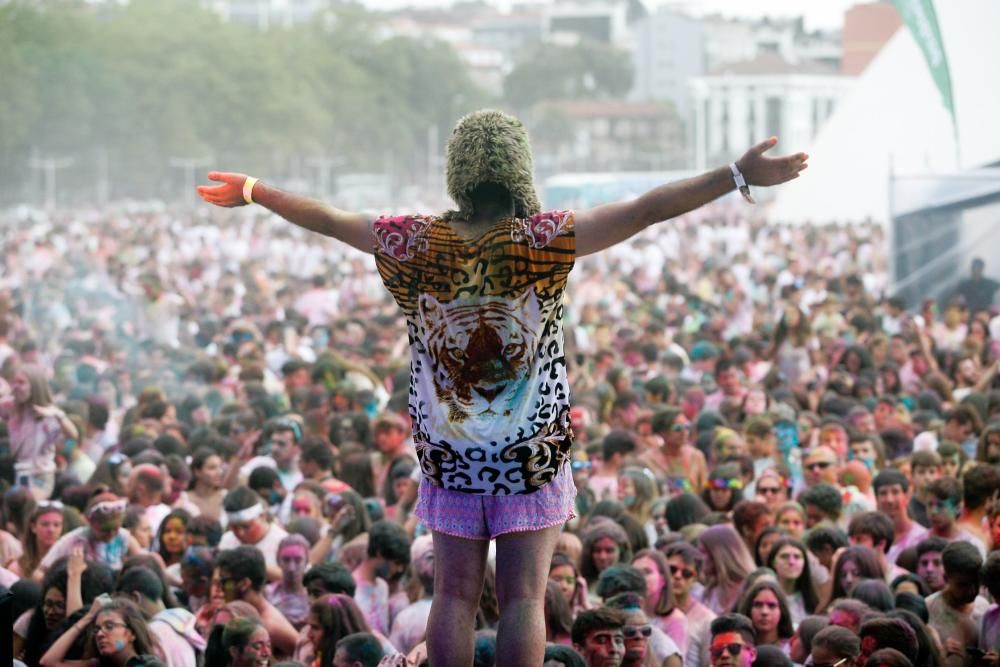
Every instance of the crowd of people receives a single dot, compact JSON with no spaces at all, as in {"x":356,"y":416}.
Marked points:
{"x":208,"y":455}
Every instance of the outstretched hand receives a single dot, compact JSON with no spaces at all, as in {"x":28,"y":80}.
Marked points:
{"x":759,"y":169}
{"x":228,"y":194}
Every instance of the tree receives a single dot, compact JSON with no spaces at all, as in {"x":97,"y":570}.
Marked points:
{"x":588,"y":70}
{"x":153,"y":79}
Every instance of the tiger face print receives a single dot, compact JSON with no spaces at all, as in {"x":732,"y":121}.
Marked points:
{"x":482,"y":351}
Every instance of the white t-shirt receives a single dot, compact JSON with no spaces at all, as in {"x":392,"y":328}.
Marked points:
{"x":267,"y":546}
{"x":155,"y":514}
{"x":911,"y":539}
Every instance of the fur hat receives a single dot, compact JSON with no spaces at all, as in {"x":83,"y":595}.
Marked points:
{"x":489,"y":146}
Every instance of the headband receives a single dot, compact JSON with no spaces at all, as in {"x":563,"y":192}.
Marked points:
{"x":287,"y":424}
{"x":107,"y":507}
{"x":247,"y":515}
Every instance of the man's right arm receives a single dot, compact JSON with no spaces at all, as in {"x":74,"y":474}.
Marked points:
{"x":354,"y":229}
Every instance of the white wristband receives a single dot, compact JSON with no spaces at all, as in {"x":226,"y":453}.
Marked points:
{"x":741,"y":183}
{"x":248,"y":189}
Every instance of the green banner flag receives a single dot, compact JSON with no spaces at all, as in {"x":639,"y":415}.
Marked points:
{"x":921,"y":19}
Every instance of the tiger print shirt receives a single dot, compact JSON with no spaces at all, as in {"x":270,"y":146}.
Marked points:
{"x":489,"y":398}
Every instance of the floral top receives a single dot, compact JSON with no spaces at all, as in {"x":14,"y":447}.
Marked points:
{"x":489,"y":398}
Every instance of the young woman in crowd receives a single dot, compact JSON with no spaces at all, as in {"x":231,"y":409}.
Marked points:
{"x":205,"y":490}
{"x":660,"y":606}
{"x":791,"y":518}
{"x":32,"y":629}
{"x":789,"y":559}
{"x":172,"y":541}
{"x":45,"y":527}
{"x":35,"y":426}
{"x":726,"y":564}
{"x":564,"y":572}
{"x":604,"y":544}
{"x":853,"y":565}
{"x":136,"y":522}
{"x":637,"y":490}
{"x":767,"y":608}
{"x":244,"y":642}
{"x":558,"y":615}
{"x":112,"y":472}
{"x":116,"y":633}
{"x":330,"y":619}
{"x":766,"y":540}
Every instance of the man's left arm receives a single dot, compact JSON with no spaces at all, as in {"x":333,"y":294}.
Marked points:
{"x":604,"y":226}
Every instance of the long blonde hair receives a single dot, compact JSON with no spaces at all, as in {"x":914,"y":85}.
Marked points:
{"x":40,"y":394}
{"x":730,"y":556}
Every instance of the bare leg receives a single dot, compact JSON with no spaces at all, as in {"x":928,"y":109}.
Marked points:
{"x":522,"y":571}
{"x":459,"y":569}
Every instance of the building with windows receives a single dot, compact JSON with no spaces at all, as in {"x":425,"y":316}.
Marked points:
{"x":605,"y":21}
{"x":734,"y":40}
{"x":667,"y":52}
{"x":741,"y":104}
{"x":267,"y":14}
{"x":607,"y":135}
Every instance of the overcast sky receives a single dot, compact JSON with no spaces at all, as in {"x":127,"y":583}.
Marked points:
{"x":818,"y":13}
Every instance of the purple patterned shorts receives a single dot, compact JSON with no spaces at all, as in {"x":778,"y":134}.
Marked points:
{"x":477,"y":517}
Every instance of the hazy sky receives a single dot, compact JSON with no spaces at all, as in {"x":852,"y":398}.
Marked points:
{"x":818,"y":13}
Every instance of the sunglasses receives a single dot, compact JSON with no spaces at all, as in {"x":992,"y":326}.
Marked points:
{"x":768,"y":490}
{"x":720,"y":483}
{"x":633,"y":631}
{"x":685,"y":572}
{"x":823,"y":465}
{"x":734,"y":650}
{"x":581,"y":465}
{"x":677,"y":428}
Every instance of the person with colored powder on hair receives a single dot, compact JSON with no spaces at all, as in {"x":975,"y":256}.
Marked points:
{"x":482,"y":288}
{"x":289,"y":594}
{"x":103,"y":538}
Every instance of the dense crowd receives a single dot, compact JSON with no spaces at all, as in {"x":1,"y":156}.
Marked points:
{"x":208,"y":459}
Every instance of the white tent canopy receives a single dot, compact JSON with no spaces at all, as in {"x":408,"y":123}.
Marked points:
{"x":894,"y":121}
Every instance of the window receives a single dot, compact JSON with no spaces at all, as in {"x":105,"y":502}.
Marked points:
{"x":773,"y":116}
{"x":707,"y":115}
{"x":725,"y":125}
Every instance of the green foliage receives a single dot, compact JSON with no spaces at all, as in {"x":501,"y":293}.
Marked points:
{"x":156,"y":79}
{"x":588,"y":70}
